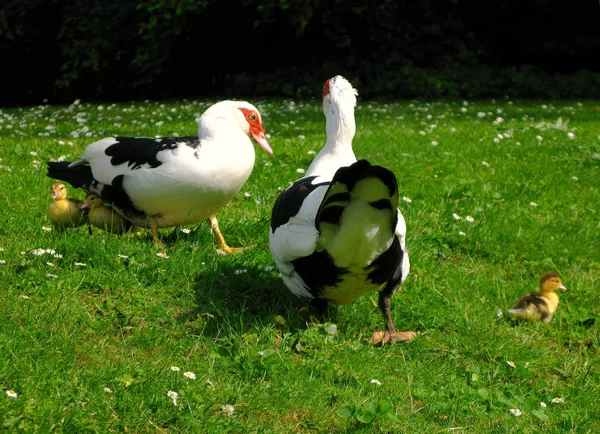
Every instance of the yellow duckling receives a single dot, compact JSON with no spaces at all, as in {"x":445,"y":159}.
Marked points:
{"x":63,"y":211}
{"x":540,"y":305}
{"x":104,"y":217}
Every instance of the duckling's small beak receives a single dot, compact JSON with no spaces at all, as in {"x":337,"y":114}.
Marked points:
{"x":87,"y":204}
{"x":562,"y":287}
{"x":54,"y":195}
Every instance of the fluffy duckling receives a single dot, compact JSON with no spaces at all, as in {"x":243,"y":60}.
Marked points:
{"x":540,"y":305}
{"x":63,"y":211}
{"x":104,"y":217}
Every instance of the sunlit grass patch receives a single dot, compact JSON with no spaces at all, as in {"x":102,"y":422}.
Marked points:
{"x":102,"y":332}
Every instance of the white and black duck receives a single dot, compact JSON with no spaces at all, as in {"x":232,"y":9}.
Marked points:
{"x":337,"y":233}
{"x":173,"y":181}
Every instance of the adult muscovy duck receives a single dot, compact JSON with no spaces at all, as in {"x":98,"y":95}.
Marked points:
{"x":337,"y":233}
{"x":173,"y":181}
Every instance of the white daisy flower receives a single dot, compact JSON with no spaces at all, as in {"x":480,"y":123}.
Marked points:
{"x":558,"y":401}
{"x":107,"y":390}
{"x":511,"y":364}
{"x":376,"y":382}
{"x":11,"y":393}
{"x":406,"y":199}
{"x":299,"y":170}
{"x":162,"y":255}
{"x":172,"y":394}
{"x":455,"y":216}
{"x":516,"y":411}
{"x":189,"y":375}
{"x":532,"y":203}
{"x":186,"y":230}
{"x":469,"y":219}
{"x":543,"y":404}
{"x":228,"y":409}
{"x":46,"y":228}
{"x":175,"y":368}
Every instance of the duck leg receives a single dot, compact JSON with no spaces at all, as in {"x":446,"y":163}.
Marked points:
{"x":154,"y":229}
{"x":223,"y":246}
{"x":390,"y":335}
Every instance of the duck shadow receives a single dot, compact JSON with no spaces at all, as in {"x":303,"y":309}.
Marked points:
{"x":233,"y":302}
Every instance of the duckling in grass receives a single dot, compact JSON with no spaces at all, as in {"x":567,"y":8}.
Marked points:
{"x":63,"y":211}
{"x":540,"y":305}
{"x":104,"y":217}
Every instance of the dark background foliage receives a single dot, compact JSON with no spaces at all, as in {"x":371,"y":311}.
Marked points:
{"x":60,"y":50}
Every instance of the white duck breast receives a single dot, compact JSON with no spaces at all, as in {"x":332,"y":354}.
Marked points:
{"x":174,"y":180}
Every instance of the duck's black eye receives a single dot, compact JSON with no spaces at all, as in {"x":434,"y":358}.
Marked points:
{"x":252,"y":116}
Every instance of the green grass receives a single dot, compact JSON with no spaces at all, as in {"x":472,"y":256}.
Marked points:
{"x":121,"y":323}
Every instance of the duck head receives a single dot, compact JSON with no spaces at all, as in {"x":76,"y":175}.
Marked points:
{"x":550,"y":282}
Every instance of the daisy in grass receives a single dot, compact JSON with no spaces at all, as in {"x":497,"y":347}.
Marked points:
{"x":228,"y":409}
{"x":455,"y":216}
{"x":123,"y":256}
{"x":107,"y":390}
{"x":558,"y":400}
{"x":80,"y":264}
{"x":543,"y":404}
{"x":511,"y":364}
{"x":174,"y":396}
{"x":376,"y":382}
{"x":469,"y":219}
{"x":406,"y":199}
{"x":186,"y":231}
{"x":11,"y":393}
{"x":189,"y":375}
{"x":2,"y":261}
{"x":516,"y":411}
{"x":46,"y":228}
{"x":162,"y":255}
{"x":532,"y":203}
{"x":175,"y":368}
{"x":300,"y":170}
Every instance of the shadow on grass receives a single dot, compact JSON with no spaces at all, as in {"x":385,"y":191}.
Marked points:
{"x":242,"y":300}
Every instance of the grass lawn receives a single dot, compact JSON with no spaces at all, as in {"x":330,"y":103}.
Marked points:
{"x":96,"y":330}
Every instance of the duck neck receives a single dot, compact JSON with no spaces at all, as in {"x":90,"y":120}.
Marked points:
{"x":340,"y":128}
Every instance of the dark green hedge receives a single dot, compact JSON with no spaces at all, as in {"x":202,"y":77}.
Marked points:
{"x":61,"y":50}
